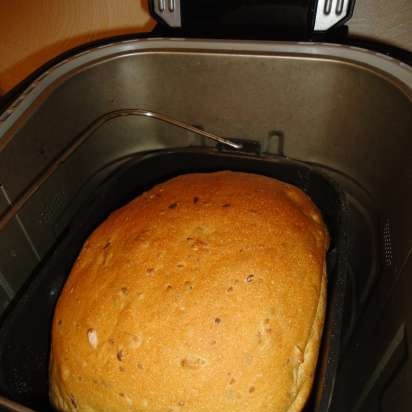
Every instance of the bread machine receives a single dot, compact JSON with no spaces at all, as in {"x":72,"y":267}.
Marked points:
{"x":300,"y":99}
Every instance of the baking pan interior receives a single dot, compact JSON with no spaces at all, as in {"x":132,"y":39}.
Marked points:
{"x":328,"y":106}
{"x":25,"y":331}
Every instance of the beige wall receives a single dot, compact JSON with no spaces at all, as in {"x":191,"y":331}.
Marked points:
{"x":387,"y":20}
{"x":34,"y":31}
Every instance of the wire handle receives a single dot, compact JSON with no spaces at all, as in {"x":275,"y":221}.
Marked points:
{"x":85,"y":134}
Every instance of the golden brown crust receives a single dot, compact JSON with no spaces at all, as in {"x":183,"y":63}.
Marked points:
{"x":205,"y":294}
{"x":306,"y":370}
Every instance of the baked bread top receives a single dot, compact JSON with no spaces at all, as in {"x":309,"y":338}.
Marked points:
{"x":205,"y":294}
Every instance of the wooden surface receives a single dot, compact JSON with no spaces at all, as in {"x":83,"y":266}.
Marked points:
{"x":34,"y":31}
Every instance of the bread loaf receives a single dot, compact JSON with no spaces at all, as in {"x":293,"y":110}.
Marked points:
{"x":205,"y":294}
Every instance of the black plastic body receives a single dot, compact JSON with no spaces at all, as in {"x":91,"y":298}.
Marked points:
{"x":251,"y":19}
{"x":245,"y":17}
{"x":25,"y":327}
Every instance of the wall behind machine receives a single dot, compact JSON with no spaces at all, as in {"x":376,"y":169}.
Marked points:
{"x":33,"y":32}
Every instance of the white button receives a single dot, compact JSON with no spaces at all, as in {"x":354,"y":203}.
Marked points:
{"x":162,"y":5}
{"x":339,"y":7}
{"x":172,"y":5}
{"x":328,"y":7}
